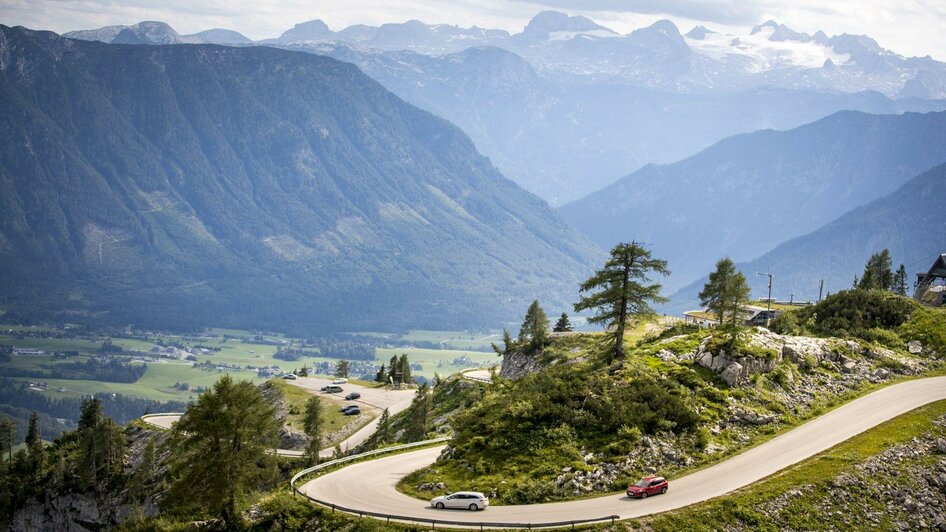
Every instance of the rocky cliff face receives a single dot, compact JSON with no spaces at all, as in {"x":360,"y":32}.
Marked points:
{"x":518,"y":364}
{"x":75,"y":512}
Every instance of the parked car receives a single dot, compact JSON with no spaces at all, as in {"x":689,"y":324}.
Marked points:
{"x":648,"y":486}
{"x":354,"y":411}
{"x":467,"y":500}
{"x":348,"y":407}
{"x":333,"y":389}
{"x":289,"y":376}
{"x":341,"y":380}
{"x":352,"y":396}
{"x":324,"y":388}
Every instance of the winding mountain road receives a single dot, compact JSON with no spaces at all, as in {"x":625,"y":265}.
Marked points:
{"x":371,"y":486}
{"x":375,"y":398}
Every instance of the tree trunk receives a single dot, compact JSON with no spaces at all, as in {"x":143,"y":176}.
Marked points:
{"x":619,"y":340}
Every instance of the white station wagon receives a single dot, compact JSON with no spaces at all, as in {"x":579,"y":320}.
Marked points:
{"x":467,"y":500}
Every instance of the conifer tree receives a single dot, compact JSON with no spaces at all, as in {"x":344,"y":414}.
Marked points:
{"x":312,"y":423}
{"x":535,"y":327}
{"x":218,"y":444}
{"x":726,"y":293}
{"x":418,"y":414}
{"x":381,"y":376}
{"x":624,"y":289}
{"x":405,"y":367}
{"x":341,"y":369}
{"x":900,"y":281}
{"x":7,"y":434}
{"x":384,"y":427}
{"x":878,"y":272}
{"x":34,"y":444}
{"x":563,"y":324}
{"x":508,"y":344}
{"x":394,"y":370}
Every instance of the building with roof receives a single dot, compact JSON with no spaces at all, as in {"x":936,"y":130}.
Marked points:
{"x":931,"y":286}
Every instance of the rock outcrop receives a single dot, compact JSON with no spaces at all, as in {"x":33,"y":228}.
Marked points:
{"x":518,"y":364}
{"x":846,"y":356}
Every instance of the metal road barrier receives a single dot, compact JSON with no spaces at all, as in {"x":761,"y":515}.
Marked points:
{"x":465,"y":375}
{"x":423,"y":520}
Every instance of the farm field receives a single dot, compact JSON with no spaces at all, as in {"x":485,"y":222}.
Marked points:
{"x":230,"y":354}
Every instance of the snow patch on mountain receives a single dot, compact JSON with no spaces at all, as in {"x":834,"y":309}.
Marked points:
{"x":763,"y":52}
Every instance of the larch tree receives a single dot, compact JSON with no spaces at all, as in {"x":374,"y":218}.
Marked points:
{"x":382,"y":375}
{"x":218,"y":447}
{"x":341,"y":369}
{"x":623,"y":289}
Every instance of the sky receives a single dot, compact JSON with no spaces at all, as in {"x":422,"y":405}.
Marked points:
{"x":908,"y":27}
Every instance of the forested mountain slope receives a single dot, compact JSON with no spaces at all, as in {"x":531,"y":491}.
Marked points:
{"x":747,"y":194}
{"x":195,"y":184}
{"x":910,"y":222}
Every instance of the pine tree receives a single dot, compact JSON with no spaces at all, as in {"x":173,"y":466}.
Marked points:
{"x":878,"y":272}
{"x":900,"y":281}
{"x":726,"y":294}
{"x":341,"y":369}
{"x":394,"y":370}
{"x":384,"y":427}
{"x":7,"y":434}
{"x":312,"y":424}
{"x":218,"y":444}
{"x":563,"y":324}
{"x":405,"y":367}
{"x":508,"y":344}
{"x":419,"y":412}
{"x":624,"y":288}
{"x":90,"y":414}
{"x":381,"y":376}
{"x":34,"y":444}
{"x":534,"y":331}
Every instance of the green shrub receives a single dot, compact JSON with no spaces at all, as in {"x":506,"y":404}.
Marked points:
{"x":928,"y":326}
{"x":852,"y":312}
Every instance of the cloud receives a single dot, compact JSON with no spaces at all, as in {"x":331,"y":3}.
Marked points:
{"x":729,"y":12}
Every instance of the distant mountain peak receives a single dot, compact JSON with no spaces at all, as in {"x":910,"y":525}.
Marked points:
{"x":699,"y":33}
{"x":311,"y":30}
{"x":148,"y":32}
{"x":548,"y":22}
{"x":781,"y":32}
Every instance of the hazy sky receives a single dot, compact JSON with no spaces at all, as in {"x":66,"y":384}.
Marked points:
{"x":908,"y":27}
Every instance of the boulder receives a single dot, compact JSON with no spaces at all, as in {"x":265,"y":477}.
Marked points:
{"x":733,"y":373}
{"x":915,"y":347}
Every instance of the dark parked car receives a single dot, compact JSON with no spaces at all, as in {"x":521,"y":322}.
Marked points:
{"x":348,"y":407}
{"x":648,"y":486}
{"x":352,"y":411}
{"x":352,"y":396}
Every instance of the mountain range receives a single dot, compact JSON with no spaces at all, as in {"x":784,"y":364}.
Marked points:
{"x":568,"y":106}
{"x":746,"y":194}
{"x":180,"y":186}
{"x":909,"y":222}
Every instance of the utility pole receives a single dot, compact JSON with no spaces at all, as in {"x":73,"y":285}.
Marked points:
{"x":820,"y":290}
{"x":769,"y":275}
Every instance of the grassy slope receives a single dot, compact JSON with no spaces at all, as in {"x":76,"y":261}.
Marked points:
{"x":740,"y":508}
{"x":528,"y":475}
{"x":334,"y":420}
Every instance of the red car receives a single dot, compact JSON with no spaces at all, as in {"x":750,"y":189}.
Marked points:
{"x":648,"y":486}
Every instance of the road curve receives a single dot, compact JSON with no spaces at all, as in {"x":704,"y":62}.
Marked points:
{"x":370,"y":486}
{"x":376,"y":398}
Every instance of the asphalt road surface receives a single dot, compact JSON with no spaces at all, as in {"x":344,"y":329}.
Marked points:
{"x":370,"y":486}
{"x":377,"y":398}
